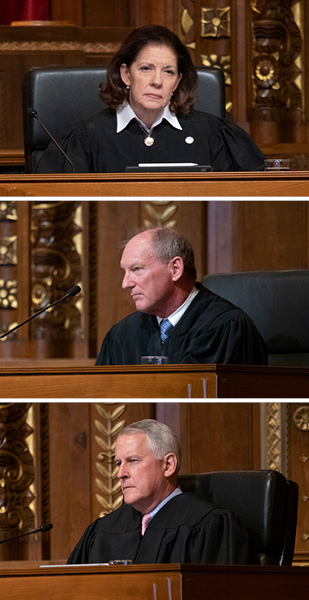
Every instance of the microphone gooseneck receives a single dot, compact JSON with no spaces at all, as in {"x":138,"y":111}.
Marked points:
{"x":34,"y":114}
{"x":72,"y":292}
{"x":44,"y":527}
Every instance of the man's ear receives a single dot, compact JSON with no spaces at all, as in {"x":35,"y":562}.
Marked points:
{"x":170,"y":464}
{"x":177,"y":268}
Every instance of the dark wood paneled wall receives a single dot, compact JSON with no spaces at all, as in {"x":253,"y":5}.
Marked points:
{"x":257,"y":235}
{"x":261,"y":47}
{"x":215,"y":436}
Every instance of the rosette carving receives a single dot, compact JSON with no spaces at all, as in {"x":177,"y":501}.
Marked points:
{"x":277,"y":61}
{"x":301,"y":418}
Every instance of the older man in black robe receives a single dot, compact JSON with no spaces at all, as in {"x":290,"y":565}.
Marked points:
{"x":157,"y":523}
{"x":202,"y":327}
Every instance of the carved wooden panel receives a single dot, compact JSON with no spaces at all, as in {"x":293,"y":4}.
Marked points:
{"x":9,"y":296}
{"x":17,"y":509}
{"x":56,"y":266}
{"x":206,"y":31}
{"x":278,"y":92}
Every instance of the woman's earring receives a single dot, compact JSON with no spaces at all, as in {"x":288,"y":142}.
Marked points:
{"x":128,"y":87}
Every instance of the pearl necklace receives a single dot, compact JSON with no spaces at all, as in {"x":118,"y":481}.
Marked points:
{"x":148,"y":141}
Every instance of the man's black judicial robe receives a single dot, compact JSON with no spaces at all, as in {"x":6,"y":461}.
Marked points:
{"x":185,"y":530}
{"x":94,"y":146}
{"x":212,"y":330}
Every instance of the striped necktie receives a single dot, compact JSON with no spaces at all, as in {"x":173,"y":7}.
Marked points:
{"x":165,"y":329}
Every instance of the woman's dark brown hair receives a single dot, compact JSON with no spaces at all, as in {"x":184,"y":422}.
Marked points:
{"x":114,"y":92}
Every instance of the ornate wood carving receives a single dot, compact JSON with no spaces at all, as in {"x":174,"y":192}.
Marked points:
{"x":56,"y":267}
{"x":216,"y":22}
{"x":87,"y":48}
{"x":208,"y":37}
{"x":16,"y":470}
{"x":45,"y":487}
{"x":108,"y":427}
{"x":8,"y":264}
{"x":160,"y":213}
{"x":277,"y":61}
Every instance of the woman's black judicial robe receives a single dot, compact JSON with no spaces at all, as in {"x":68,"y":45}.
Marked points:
{"x":212,"y":330}
{"x":185,"y":530}
{"x":94,"y":146}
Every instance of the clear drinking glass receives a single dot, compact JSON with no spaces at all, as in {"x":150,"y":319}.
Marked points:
{"x":154,"y":360}
{"x":277,"y":164}
{"x":120,"y":562}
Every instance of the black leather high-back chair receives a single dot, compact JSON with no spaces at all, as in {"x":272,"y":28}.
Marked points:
{"x":265,"y":501}
{"x":62,"y":96}
{"x":277,"y":302}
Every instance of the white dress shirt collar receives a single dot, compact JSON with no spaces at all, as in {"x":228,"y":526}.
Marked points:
{"x":125,"y":114}
{"x":177,"y":314}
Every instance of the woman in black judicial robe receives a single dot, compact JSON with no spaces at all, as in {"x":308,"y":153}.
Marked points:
{"x":94,"y":146}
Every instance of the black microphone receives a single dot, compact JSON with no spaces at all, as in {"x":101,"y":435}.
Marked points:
{"x":44,"y":527}
{"x":33,"y":113}
{"x":72,"y":292}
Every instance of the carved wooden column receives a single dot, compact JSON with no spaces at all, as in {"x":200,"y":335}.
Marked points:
{"x":56,"y":266}
{"x":8,"y":263}
{"x":14,"y":275}
{"x":18,"y":507}
{"x":277,"y":95}
{"x":44,"y":251}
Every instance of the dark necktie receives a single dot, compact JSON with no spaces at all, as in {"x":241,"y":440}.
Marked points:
{"x":165,"y":329}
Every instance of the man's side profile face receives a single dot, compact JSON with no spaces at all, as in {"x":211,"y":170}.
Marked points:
{"x":143,"y":477}
{"x":150,"y":282}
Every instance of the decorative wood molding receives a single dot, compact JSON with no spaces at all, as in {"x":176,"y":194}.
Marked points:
{"x":274,"y":437}
{"x":108,"y":426}
{"x":161,"y":213}
{"x":87,"y":48}
{"x":277,"y":61}
{"x":16,"y":470}
{"x":56,"y":267}
{"x":44,"y":451}
{"x":208,"y":38}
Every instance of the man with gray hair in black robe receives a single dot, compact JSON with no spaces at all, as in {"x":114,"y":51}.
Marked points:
{"x":156,"y":522}
{"x":175,"y":315}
